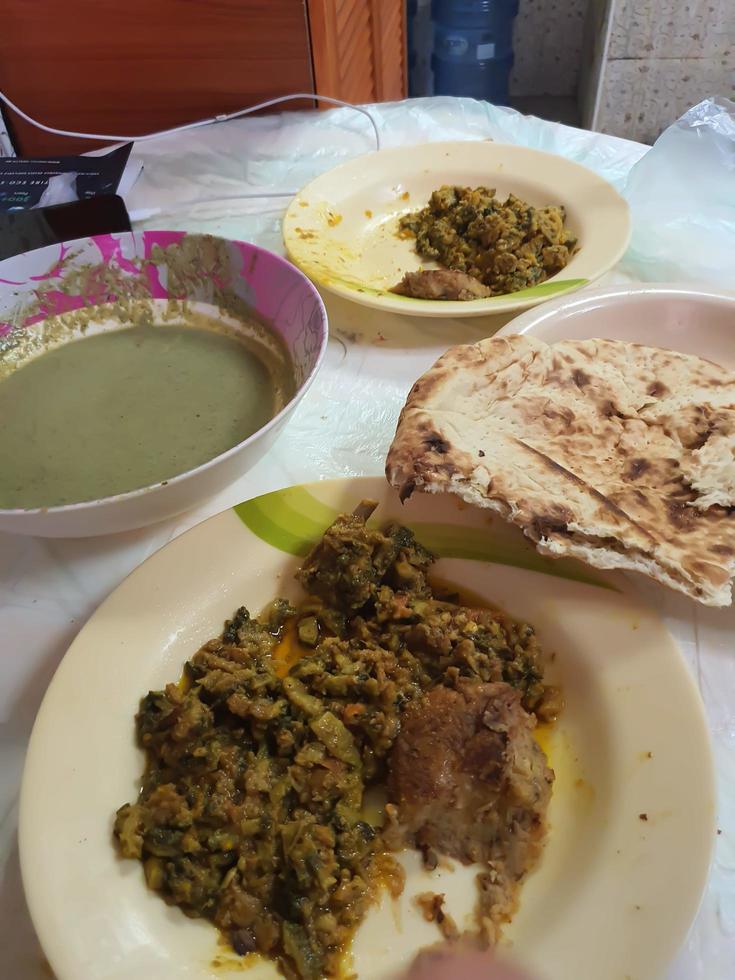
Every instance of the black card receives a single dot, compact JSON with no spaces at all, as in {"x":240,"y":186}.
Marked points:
{"x":23,"y":181}
{"x":22,"y":231}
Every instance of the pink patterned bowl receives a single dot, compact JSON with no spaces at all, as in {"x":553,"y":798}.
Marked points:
{"x":216,"y":274}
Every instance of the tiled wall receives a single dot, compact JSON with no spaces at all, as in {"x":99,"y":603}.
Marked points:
{"x":664,"y":56}
{"x":547,"y":42}
{"x":641,"y":98}
{"x":690,"y":29}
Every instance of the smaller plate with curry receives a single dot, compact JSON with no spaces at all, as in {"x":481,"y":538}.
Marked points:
{"x":456,"y":229}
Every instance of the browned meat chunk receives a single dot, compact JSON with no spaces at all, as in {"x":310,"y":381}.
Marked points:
{"x":470,"y":781}
{"x":432,"y":909}
{"x":441,"y":284}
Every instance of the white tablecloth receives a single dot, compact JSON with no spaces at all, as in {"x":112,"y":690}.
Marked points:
{"x":48,"y":588}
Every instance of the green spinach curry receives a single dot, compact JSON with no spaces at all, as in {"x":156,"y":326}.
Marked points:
{"x":503,"y":246}
{"x":251,"y":810}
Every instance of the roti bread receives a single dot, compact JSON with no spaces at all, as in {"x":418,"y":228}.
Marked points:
{"x":617,"y":454}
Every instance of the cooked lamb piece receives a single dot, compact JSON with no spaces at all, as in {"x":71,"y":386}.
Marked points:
{"x":441,"y":284}
{"x":470,"y":781}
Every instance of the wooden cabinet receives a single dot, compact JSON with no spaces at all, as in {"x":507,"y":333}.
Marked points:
{"x":133,"y":66}
{"x":359,"y":49}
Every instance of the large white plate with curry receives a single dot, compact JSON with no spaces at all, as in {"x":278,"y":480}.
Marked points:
{"x":631,"y":816}
{"x":342,"y":229}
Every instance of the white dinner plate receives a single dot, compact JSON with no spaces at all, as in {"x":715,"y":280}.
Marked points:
{"x":341,"y":228}
{"x":692,"y":320}
{"x":632,"y":813}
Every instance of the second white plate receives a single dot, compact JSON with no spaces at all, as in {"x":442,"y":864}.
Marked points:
{"x":691,"y":320}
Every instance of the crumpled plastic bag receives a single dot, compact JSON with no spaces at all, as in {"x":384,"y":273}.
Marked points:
{"x":199,"y":180}
{"x":680,"y":191}
{"x":682,"y":200}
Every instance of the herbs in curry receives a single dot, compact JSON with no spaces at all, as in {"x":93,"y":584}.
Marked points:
{"x":251,"y":807}
{"x":491,"y":246}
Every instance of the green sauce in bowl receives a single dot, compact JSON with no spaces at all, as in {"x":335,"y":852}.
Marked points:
{"x":127,"y":409}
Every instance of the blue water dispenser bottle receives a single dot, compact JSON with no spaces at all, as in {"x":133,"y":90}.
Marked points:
{"x":473,"y":48}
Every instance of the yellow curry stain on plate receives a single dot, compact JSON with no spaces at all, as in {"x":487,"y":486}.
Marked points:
{"x":235,"y":962}
{"x":543,"y":733}
{"x":561,"y":757}
{"x":289,"y":649}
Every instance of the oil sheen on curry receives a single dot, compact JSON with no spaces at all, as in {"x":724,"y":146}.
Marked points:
{"x":252,"y":806}
{"x":130,"y":408}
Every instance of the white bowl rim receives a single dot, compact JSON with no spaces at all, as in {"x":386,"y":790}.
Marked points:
{"x":588,"y":298}
{"x":83,"y":505}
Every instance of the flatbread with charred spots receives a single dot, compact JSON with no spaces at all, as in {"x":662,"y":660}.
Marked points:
{"x":615,"y":453}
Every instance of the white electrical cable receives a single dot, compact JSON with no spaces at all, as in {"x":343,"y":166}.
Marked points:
{"x":223,"y":117}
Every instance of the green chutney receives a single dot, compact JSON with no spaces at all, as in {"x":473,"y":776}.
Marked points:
{"x":126,"y":409}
